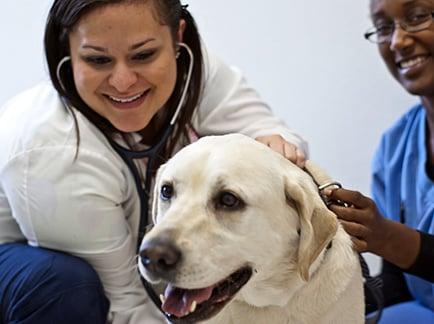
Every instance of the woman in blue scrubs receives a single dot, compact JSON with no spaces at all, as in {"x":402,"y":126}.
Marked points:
{"x":398,"y":223}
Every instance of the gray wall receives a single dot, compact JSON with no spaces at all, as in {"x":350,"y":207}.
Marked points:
{"x":308,"y":59}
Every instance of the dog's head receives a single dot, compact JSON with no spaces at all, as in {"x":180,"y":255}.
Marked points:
{"x":229,"y":212}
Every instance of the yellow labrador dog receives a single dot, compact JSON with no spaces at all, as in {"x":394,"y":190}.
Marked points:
{"x":242,"y":236}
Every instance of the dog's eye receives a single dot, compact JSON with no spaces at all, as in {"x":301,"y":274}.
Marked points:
{"x":166,"y":192}
{"x":228,"y":200}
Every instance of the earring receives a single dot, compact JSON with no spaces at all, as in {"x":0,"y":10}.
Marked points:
{"x":178,"y":52}
{"x":59,"y":66}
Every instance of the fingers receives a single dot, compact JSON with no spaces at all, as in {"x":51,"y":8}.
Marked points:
{"x":354,"y":198}
{"x":292,"y":153}
{"x":354,"y":229}
{"x":278,"y":144}
{"x":347,"y":213}
{"x":358,"y":235}
{"x":359,"y":245}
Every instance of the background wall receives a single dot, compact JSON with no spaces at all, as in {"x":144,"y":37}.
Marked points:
{"x":308,"y":59}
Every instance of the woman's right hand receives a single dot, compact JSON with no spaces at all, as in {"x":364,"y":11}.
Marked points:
{"x":361,"y":219}
{"x":371,"y":232}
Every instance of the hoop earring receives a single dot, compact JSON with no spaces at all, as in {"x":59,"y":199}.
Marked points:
{"x":59,"y":67}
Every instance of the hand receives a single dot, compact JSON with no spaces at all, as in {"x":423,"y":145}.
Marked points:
{"x":280,"y":145}
{"x":371,"y":232}
{"x":360,"y":219}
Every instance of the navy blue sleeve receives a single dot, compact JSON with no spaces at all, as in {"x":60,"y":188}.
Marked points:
{"x":423,"y":266}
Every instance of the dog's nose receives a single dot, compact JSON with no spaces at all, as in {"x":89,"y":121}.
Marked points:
{"x":160,"y":256}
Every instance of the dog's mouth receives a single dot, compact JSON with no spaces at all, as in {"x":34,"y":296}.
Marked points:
{"x":193,"y":305}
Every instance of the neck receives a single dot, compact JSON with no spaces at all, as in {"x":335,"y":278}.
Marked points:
{"x":429,"y":108}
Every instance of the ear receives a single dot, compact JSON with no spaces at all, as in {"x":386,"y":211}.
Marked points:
{"x":156,"y":193}
{"x":318,"y":224}
{"x":181,"y":29}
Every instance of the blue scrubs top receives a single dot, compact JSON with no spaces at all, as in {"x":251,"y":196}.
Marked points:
{"x":401,"y":186}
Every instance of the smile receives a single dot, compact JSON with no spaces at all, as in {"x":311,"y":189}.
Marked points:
{"x":412,"y":62}
{"x":126,"y":100}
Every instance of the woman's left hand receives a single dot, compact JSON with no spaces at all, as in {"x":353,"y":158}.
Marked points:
{"x":280,"y":145}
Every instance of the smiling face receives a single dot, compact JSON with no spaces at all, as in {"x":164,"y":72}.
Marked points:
{"x":124,"y":63}
{"x":408,"y":56}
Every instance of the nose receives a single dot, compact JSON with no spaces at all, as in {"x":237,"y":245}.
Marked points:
{"x":160,"y":256}
{"x":122,"y":77}
{"x":400,"y":38}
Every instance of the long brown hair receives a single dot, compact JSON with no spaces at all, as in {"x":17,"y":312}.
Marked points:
{"x":64,"y":15}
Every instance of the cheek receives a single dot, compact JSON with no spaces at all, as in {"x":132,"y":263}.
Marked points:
{"x":164,"y":77}
{"x":388,"y":59}
{"x":86,"y":80}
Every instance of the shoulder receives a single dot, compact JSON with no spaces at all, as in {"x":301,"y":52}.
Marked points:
{"x":400,"y":139}
{"x":405,"y":123}
{"x":38,"y":121}
{"x":28,"y":116}
{"x":217,"y":71}
{"x":404,"y":129}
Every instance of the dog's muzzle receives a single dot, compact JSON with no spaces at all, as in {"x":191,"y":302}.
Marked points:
{"x":160,"y":257}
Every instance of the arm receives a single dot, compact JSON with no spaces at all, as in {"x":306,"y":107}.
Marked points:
{"x":230,"y":105}
{"x":81,"y":207}
{"x":397,"y":243}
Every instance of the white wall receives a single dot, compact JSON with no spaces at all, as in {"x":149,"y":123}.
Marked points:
{"x":308,"y":59}
{"x":21,"y":37}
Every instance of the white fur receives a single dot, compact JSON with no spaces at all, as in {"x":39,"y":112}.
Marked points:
{"x":297,"y":280}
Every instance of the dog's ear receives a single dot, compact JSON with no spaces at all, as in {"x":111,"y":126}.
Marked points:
{"x":318,"y":224}
{"x":156,"y":193}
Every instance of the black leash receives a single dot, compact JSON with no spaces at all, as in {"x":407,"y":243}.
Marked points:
{"x":375,"y":285}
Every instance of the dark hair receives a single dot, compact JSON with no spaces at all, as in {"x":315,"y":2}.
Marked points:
{"x":62,"y":18}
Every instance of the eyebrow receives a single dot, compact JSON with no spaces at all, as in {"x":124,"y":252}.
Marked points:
{"x":131,"y":48}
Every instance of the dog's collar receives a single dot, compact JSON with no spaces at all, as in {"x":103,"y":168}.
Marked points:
{"x":321,"y":187}
{"x":324,"y":198}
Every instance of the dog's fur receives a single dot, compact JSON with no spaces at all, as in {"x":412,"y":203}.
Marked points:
{"x":283,"y":230}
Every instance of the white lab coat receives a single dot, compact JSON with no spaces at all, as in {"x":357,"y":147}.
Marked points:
{"x":88,"y":206}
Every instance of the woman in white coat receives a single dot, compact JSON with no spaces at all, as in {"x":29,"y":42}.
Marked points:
{"x":127,"y":77}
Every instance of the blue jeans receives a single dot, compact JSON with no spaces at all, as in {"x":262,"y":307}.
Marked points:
{"x":43,"y":286}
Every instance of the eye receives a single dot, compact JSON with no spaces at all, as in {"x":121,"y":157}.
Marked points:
{"x":98,"y":60}
{"x":166,"y":192}
{"x":228,"y":200}
{"x":143,"y":56}
{"x":384,"y":29}
{"x":417,"y":17}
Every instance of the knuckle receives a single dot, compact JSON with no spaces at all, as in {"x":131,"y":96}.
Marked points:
{"x":357,"y":196}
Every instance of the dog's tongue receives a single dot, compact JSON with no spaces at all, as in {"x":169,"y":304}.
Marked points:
{"x":178,"y":301}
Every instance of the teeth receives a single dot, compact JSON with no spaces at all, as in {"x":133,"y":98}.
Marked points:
{"x":162,"y":298}
{"x":412,"y":62}
{"x":193,"y":306}
{"x":126,"y":100}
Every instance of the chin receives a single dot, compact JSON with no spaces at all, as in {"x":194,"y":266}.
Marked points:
{"x":130,"y":127}
{"x":418,"y":89}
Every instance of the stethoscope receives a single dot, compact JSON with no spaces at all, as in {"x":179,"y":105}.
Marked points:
{"x":151,"y":153}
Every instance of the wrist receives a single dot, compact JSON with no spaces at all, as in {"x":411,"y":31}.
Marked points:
{"x":400,"y":244}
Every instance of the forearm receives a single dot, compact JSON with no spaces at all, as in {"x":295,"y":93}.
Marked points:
{"x":422,"y":267}
{"x":400,"y":245}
